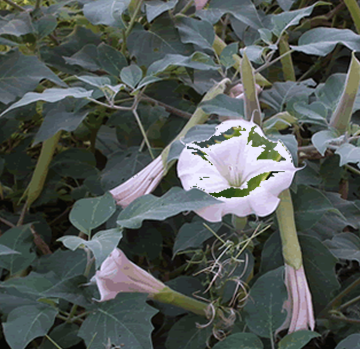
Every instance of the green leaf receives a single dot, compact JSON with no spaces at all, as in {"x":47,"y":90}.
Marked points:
{"x":348,"y":154}
{"x":321,"y":41}
{"x":240,"y":341}
{"x":110,"y":59}
{"x":197,"y":60}
{"x":18,"y":24}
{"x":64,"y":335}
{"x":319,"y":265}
{"x":20,"y":74}
{"x":310,"y":205}
{"x":314,"y":113}
{"x":18,"y":239}
{"x":85,"y":58}
{"x":50,"y":95}
{"x":344,"y":246}
{"x":264,"y":314}
{"x":4,"y":251}
{"x":101,"y":244}
{"x":297,"y":340}
{"x":193,"y":235}
{"x":350,"y":342}
{"x":131,"y":75}
{"x":193,"y":31}
{"x":45,"y":26}
{"x":108,"y":12}
{"x":27,"y":323}
{"x":287,"y":19}
{"x":244,"y":11}
{"x":75,"y":163}
{"x":322,"y":139}
{"x":153,"y":45}
{"x":186,"y":335}
{"x":224,"y":105}
{"x":254,"y":53}
{"x":124,"y":320}
{"x":90,"y":213}
{"x":285,"y":4}
{"x":156,"y":7}
{"x":226,"y":56}
{"x":97,"y":81}
{"x":176,"y":200}
{"x":59,"y":118}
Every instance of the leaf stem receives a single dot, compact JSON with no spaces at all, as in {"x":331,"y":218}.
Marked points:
{"x":133,"y":18}
{"x":354,"y":10}
{"x":13,"y":4}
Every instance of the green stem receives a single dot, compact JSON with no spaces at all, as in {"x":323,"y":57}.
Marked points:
{"x":37,"y":4}
{"x":133,"y":17}
{"x":290,"y":242}
{"x":350,"y":302}
{"x":169,"y":296}
{"x":354,"y":10}
{"x":187,"y":6}
{"x":18,"y":7}
{"x":143,"y":132}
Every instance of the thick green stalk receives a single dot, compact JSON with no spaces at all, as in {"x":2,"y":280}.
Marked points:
{"x":354,"y":10}
{"x":290,"y":242}
{"x":169,"y":296}
{"x":37,"y":182}
{"x":252,"y":105}
{"x":342,"y":115}
{"x":286,"y":60}
{"x":199,"y":117}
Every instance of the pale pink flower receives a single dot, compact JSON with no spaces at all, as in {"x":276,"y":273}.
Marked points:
{"x":199,"y":4}
{"x":226,"y":169}
{"x":118,"y":274}
{"x":300,"y":313}
{"x":141,"y":184}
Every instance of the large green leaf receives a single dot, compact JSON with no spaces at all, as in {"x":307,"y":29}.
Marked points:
{"x":344,"y":246}
{"x":101,"y":244}
{"x":4,"y":251}
{"x":155,"y":8}
{"x":348,"y":154}
{"x":124,"y":320}
{"x":27,"y":323}
{"x":197,"y":60}
{"x":110,"y":59}
{"x":297,"y":340}
{"x":193,"y":31}
{"x":106,"y":12}
{"x":310,"y":205}
{"x":85,"y":58}
{"x":319,"y":265}
{"x":18,"y":239}
{"x":131,"y":75}
{"x":240,"y":341}
{"x":176,"y":200}
{"x":90,"y":213}
{"x":193,"y":235}
{"x":286,"y":19}
{"x":321,"y":139}
{"x":20,"y":74}
{"x":154,"y":44}
{"x":18,"y":24}
{"x":350,"y":342}
{"x":186,"y":335}
{"x":225,"y":106}
{"x":264,"y":310}
{"x":59,"y":117}
{"x":321,"y":41}
{"x":51,"y":286}
{"x":64,"y":335}
{"x":50,"y":95}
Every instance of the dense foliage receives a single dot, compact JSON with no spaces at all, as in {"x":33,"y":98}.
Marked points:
{"x":92,"y":91}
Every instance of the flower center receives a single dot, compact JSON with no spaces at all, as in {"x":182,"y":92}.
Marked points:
{"x":233,"y":176}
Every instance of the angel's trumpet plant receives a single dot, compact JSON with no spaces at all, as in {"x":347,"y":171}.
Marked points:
{"x":148,"y":178}
{"x":300,"y":314}
{"x":117,"y":274}
{"x":243,"y":171}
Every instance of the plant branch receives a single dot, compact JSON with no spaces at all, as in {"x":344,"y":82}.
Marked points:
{"x":7,"y":222}
{"x":13,"y":4}
{"x":168,"y":108}
{"x":133,"y":18}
